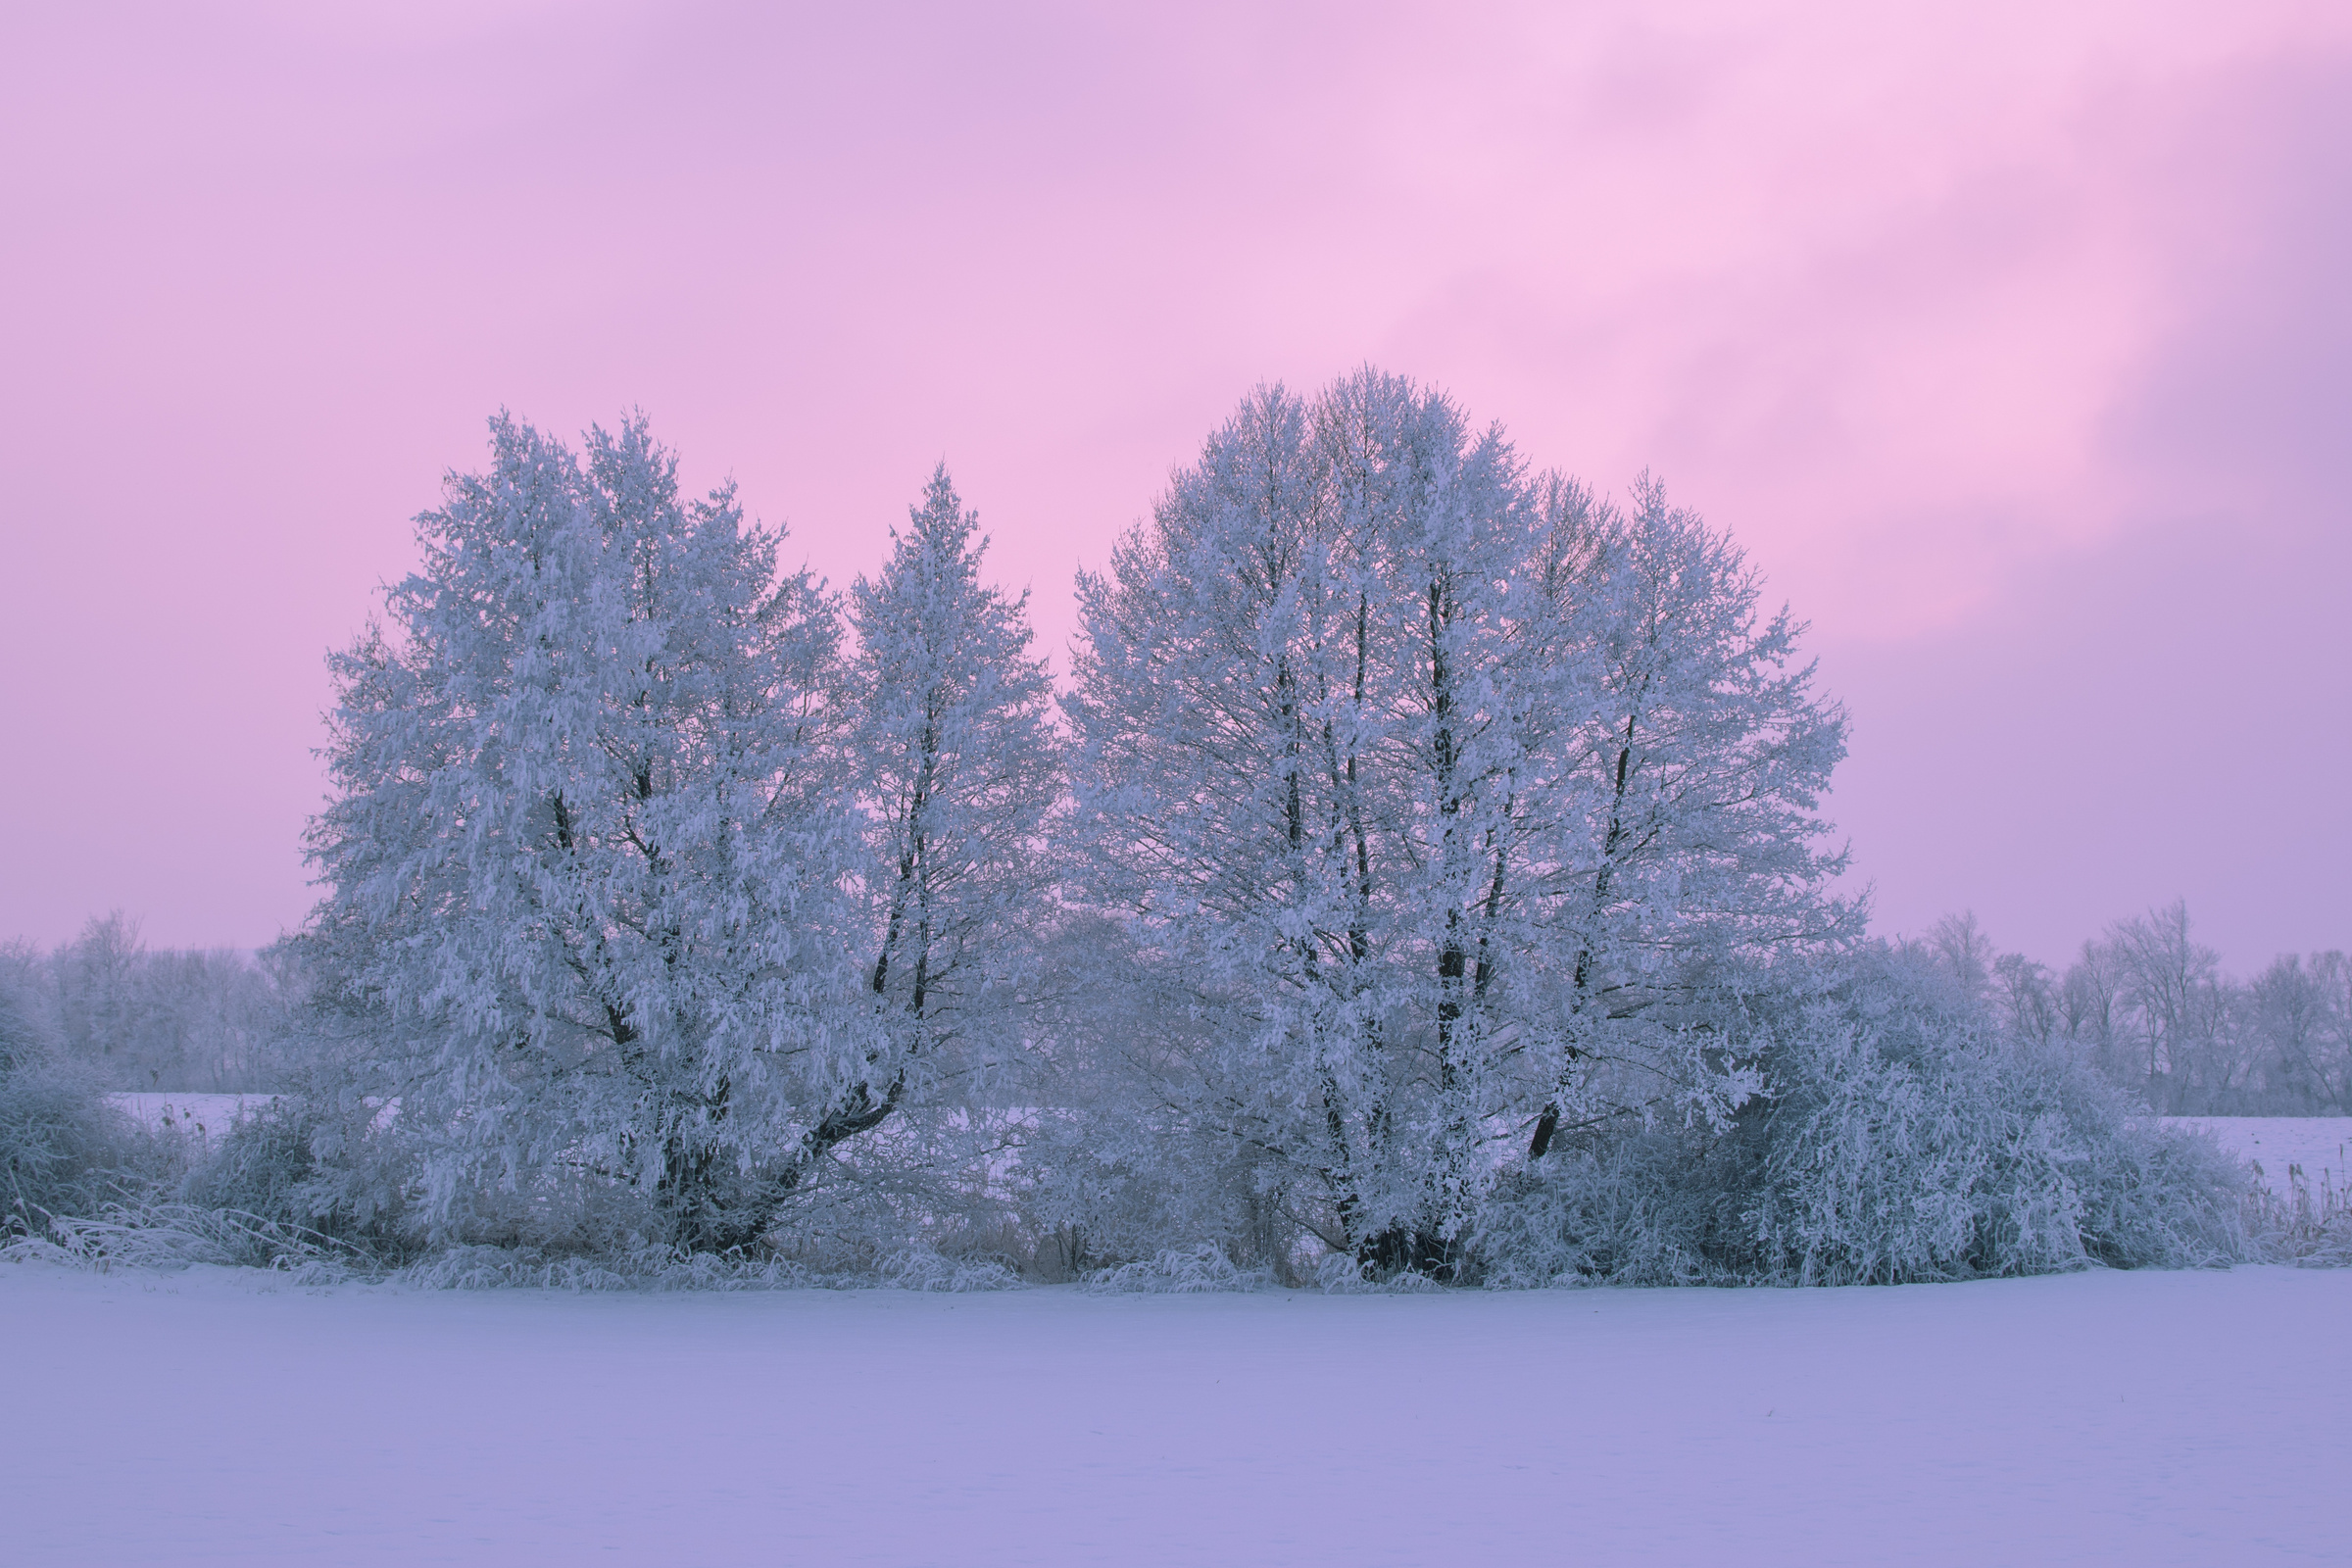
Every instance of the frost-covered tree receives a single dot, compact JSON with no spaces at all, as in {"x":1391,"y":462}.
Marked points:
{"x":1701,"y":750}
{"x":1223,"y":699}
{"x":592,"y":848}
{"x":2091,"y":1009}
{"x":1964,"y":951}
{"x":2302,"y":1014}
{"x":959,"y":767}
{"x":1443,"y":783}
{"x":2026,"y":998}
{"x":159,"y":1018}
{"x":2172,"y":985}
{"x":2147,"y":1006}
{"x":94,"y":983}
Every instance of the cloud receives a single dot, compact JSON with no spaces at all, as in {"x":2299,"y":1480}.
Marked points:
{"x":1928,"y":308}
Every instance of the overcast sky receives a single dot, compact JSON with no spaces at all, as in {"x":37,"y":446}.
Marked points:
{"x":2012,"y":343}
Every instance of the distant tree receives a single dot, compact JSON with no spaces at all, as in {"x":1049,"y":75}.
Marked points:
{"x":2025,"y":997}
{"x":148,"y":1018}
{"x":2018,"y":992}
{"x":2148,"y":1006}
{"x":1965,"y":953}
{"x":2172,"y":983}
{"x":96,"y":992}
{"x":2092,"y":1012}
{"x":2302,"y":1014}
{"x":592,"y":850}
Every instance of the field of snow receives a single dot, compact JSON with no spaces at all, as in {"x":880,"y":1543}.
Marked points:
{"x":2155,"y":1418}
{"x":2273,"y":1144}
{"x":209,"y":1114}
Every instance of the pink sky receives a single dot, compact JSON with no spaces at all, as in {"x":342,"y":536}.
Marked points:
{"x":2012,"y":343}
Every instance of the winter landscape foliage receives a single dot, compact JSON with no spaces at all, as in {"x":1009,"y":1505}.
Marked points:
{"x":1421,"y":881}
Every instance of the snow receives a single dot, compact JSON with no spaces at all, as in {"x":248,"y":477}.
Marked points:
{"x":210,"y":1115}
{"x":2320,"y":1145}
{"x":2148,"y":1418}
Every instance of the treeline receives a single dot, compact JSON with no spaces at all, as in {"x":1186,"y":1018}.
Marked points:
{"x":2148,"y":1006}
{"x":1422,"y":878}
{"x":140,"y":1018}
{"x":2145,"y":1004}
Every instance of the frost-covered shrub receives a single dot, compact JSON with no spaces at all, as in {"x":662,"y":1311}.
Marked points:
{"x":266,"y":1194}
{"x":1178,"y":1272}
{"x":1126,"y":1149}
{"x":1340,"y":1274}
{"x":1900,"y":1137}
{"x":921,"y":1269}
{"x":147,"y":1233}
{"x":1628,"y":1212}
{"x":262,"y":1164}
{"x":64,"y":1150}
{"x":1159,"y":1187}
{"x":302,"y":1165}
{"x":670,"y":1268}
{"x":2312,"y":1229}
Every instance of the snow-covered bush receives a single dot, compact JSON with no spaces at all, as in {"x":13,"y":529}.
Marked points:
{"x":1160,"y":1188}
{"x":1125,"y":1151}
{"x":1112,"y":1176}
{"x":64,"y":1150}
{"x":82,"y":1183}
{"x":2312,"y":1229}
{"x":299,"y":1163}
{"x":1178,"y":1272}
{"x":146,"y":1232}
{"x":1901,"y":1137}
{"x":670,"y":1268}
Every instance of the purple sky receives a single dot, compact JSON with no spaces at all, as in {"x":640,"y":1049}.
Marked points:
{"x":2013,"y":345}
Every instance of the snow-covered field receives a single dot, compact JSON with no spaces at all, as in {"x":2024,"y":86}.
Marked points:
{"x":2139,"y":1419}
{"x":210,"y":1116}
{"x":2273,"y":1145}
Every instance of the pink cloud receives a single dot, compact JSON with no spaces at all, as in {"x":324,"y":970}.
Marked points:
{"x":1916,"y":306}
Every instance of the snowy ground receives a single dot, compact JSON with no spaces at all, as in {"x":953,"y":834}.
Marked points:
{"x":2141,"y":1419}
{"x":210,"y":1116}
{"x":2273,"y":1145}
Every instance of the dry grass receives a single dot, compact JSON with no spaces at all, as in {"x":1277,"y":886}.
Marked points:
{"x":2308,"y":1227}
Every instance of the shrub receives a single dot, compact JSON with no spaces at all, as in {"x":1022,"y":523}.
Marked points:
{"x":1900,"y":1137}
{"x":309,"y":1165}
{"x":64,"y":1150}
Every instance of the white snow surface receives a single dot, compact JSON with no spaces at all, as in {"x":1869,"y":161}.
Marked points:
{"x":2321,"y":1145}
{"x":2150,"y":1418}
{"x":210,"y":1116}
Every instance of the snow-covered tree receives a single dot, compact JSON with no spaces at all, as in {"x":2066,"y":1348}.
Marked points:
{"x":1699,"y":752}
{"x":2172,"y":985}
{"x":1961,"y":949}
{"x":959,"y":767}
{"x":1442,"y":781}
{"x":1463,"y":653}
{"x":143,"y":1018}
{"x":592,"y":851}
